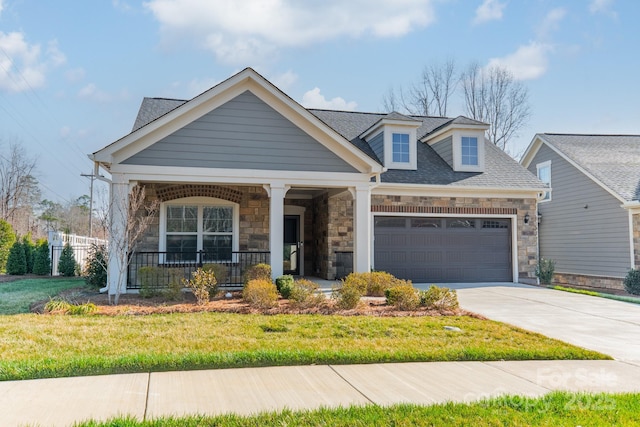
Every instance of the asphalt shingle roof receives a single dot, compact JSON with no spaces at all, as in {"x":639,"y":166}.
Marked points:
{"x":613,"y":159}
{"x":501,"y":171}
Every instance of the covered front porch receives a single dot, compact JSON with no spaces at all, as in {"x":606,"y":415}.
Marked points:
{"x":303,"y":230}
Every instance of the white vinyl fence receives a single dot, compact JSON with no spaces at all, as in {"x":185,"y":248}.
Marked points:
{"x":80,"y":245}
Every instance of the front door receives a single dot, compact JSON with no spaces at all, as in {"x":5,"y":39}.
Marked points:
{"x":292,"y":245}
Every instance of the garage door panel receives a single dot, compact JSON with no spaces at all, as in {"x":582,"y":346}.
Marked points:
{"x":439,"y":254}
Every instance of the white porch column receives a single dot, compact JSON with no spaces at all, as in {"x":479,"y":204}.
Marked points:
{"x":276,"y":226}
{"x":119,"y":204}
{"x":362,"y":229}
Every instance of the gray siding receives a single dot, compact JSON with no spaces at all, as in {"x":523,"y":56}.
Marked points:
{"x":444,"y":149}
{"x":377,"y":145}
{"x":244,"y":133}
{"x":592,"y":241}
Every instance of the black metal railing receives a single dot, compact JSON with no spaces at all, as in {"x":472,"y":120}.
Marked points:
{"x":163,"y":267}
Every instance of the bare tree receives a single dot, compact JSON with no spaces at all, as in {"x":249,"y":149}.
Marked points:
{"x":430,"y":95}
{"x":18,"y":186}
{"x":138,"y":216}
{"x":493,"y":96}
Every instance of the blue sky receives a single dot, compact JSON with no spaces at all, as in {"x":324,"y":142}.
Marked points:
{"x":73,"y":73}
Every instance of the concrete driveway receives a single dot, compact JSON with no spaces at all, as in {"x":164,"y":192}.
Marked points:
{"x":600,"y":324}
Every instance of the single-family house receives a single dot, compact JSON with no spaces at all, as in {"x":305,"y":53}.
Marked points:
{"x":245,"y":174}
{"x":589,"y":224}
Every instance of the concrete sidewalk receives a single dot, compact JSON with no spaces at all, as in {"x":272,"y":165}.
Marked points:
{"x":63,"y":401}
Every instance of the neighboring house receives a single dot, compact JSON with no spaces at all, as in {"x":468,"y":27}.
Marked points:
{"x":246,"y":174}
{"x":590,"y":221}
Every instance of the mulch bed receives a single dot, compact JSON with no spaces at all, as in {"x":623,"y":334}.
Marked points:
{"x":133,"y":304}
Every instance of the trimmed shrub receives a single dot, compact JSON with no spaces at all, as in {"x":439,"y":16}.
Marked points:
{"x":258,"y":271}
{"x":220,"y":271}
{"x":159,"y":281}
{"x":403,"y":297}
{"x":375,"y":283}
{"x":348,"y":296}
{"x":439,"y":298}
{"x":632,"y":281}
{"x":7,"y":239}
{"x":304,"y":294}
{"x":260,"y":293}
{"x":17,"y":261}
{"x":545,"y":270}
{"x":96,"y":268}
{"x":42,"y":259}
{"x":203,"y":284}
{"x":29,"y":252}
{"x":284,"y":284}
{"x":67,"y":264}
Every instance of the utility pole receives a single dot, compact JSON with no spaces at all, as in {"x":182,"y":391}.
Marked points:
{"x":92,"y":177}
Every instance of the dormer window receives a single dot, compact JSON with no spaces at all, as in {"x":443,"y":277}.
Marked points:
{"x":469,"y":150}
{"x":400,"y":143}
{"x":394,"y":140}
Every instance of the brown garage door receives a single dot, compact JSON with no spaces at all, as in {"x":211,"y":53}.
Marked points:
{"x":442,"y":250}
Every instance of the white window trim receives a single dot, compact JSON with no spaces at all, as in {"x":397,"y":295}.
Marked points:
{"x":541,"y":166}
{"x":412,"y":164}
{"x":457,"y":151}
{"x":200,"y":202}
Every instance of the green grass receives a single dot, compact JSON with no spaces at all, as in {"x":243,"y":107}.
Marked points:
{"x":39,"y":346}
{"x":555,"y":409}
{"x":16,"y":297}
{"x":623,"y":298}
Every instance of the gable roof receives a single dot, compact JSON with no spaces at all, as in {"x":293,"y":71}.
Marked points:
{"x":161,"y":117}
{"x":613,"y":161}
{"x":501,"y":170}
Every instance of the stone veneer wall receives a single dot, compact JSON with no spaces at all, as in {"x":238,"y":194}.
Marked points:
{"x":581,"y":281}
{"x":320,"y":235}
{"x":527,"y":233}
{"x":340,"y":230}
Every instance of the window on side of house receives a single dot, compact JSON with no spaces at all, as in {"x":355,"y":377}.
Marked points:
{"x":544,"y":175}
{"x":189,"y":228}
{"x":469,"y":151}
{"x":400,"y":147}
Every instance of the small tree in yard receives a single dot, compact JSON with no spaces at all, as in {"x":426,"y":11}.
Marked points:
{"x":29,"y":250}
{"x":632,"y":281}
{"x":17,"y":262}
{"x":7,"y":238}
{"x":96,"y":269}
{"x":41,"y":259}
{"x":138,"y":215}
{"x":67,"y":264}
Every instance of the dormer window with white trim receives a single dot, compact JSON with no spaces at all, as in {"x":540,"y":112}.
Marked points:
{"x":400,"y":147}
{"x":469,"y":150}
{"x":394,"y":140}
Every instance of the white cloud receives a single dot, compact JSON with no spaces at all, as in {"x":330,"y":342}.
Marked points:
{"x":285,"y":80}
{"x":602,"y":6}
{"x":75,"y":75}
{"x":551,"y":22}
{"x":1,"y":7}
{"x":22,"y":65}
{"x":527,"y":63}
{"x":91,"y":92}
{"x":314,"y":99}
{"x":121,"y":5}
{"x":238,"y":32}
{"x":489,"y":10}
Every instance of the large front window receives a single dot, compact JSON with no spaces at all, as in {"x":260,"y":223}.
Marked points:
{"x":193,"y":227}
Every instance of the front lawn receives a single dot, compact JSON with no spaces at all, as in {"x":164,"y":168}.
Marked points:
{"x":16,"y":297}
{"x":39,"y":346}
{"x":555,"y":409}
